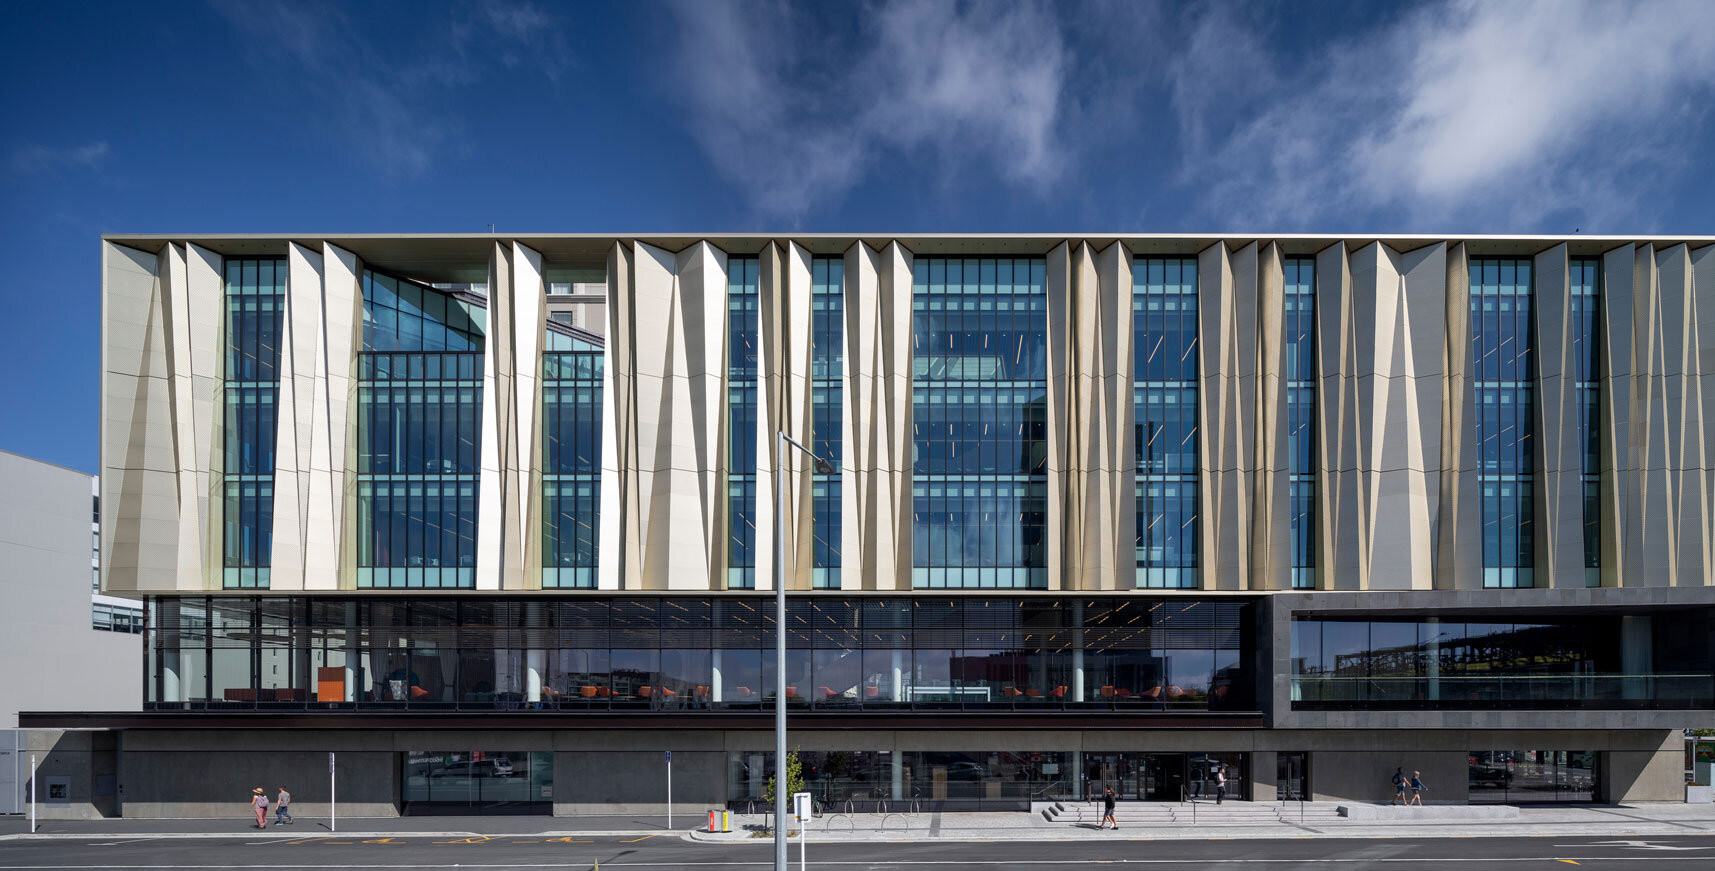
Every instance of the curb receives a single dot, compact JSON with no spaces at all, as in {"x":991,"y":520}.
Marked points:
{"x":284,"y":836}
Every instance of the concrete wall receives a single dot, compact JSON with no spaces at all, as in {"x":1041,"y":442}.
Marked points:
{"x":207,"y":773}
{"x":85,"y":760}
{"x":56,"y":661}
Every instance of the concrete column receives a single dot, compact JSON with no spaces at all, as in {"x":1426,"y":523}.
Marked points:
{"x":1635,"y":656}
{"x":1432,"y":654}
{"x":535,"y":665}
{"x":898,"y":766}
{"x":1264,"y":775}
{"x":715,"y":676}
{"x":1078,"y":651}
{"x":898,"y":676}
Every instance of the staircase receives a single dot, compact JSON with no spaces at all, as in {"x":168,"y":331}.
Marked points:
{"x":1203,"y":813}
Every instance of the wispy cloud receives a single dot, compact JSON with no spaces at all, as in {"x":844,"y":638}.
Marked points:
{"x":37,"y":159}
{"x":1479,"y":114}
{"x":794,"y":115}
{"x":386,"y":97}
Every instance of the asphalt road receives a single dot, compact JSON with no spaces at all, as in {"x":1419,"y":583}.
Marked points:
{"x":669,"y":852}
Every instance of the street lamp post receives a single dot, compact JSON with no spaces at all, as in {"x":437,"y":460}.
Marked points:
{"x":782,"y":801}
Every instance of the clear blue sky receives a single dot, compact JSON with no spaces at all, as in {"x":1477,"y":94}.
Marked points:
{"x":1446,"y":117}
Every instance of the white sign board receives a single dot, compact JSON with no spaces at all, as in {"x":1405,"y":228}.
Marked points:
{"x":801,"y":805}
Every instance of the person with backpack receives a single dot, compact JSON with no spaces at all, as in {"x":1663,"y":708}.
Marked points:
{"x":1417,"y":788}
{"x":259,"y":805}
{"x":1399,"y":784}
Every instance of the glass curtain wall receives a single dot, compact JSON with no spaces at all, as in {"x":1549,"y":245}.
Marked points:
{"x":1164,"y":312}
{"x":1299,"y":326}
{"x":1502,"y":372}
{"x":419,"y":401}
{"x":1586,"y":284}
{"x":1518,"y":776}
{"x":571,"y":460}
{"x":255,"y":303}
{"x":1541,"y":662}
{"x":827,"y":362}
{"x":980,"y":423}
{"x":702,"y":654}
{"x":742,"y":334}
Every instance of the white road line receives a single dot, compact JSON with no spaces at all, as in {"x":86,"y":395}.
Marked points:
{"x":769,"y":863}
{"x":117,"y":843}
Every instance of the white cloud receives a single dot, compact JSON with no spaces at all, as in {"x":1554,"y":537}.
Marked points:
{"x":793,"y":115}
{"x":34,"y":159}
{"x":1499,"y":114}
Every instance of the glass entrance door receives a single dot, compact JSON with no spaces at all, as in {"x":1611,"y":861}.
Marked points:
{"x":1163,"y":776}
{"x":478,"y":782}
{"x":1531,"y":776}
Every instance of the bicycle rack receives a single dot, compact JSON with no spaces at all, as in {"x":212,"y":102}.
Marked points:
{"x":851,"y":824}
{"x":902,"y":818}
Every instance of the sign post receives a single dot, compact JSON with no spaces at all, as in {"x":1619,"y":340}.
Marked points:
{"x":33,"y":779}
{"x":669,"y":789}
{"x":333,"y":818}
{"x":802,"y":810}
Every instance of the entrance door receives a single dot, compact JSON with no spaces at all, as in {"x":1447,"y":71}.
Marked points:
{"x":478,"y":782}
{"x":1163,"y":776}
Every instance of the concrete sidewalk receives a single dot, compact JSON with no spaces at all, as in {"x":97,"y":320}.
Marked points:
{"x":1616,"y":821}
{"x":15,"y":827}
{"x":1586,"y":820}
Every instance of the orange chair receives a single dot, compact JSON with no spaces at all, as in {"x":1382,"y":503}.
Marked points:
{"x":1010,"y":692}
{"x":701,"y":692}
{"x":871,"y":692}
{"x":1058,"y":692}
{"x":1032,"y":693}
{"x":1153,"y":693}
{"x":742,"y":692}
{"x":668,"y":693}
{"x":586,"y":691}
{"x":1123,"y":693}
{"x":1174,"y":692}
{"x":791,"y":692}
{"x":1107,"y":692}
{"x":418,"y":693}
{"x":645,"y":692}
{"x":827,"y":692}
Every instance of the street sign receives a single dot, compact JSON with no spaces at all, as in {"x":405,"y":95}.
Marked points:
{"x":801,"y":805}
{"x":669,"y":756}
{"x":330,"y":761}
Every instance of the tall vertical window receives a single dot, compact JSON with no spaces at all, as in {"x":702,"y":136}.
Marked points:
{"x":1164,"y":312}
{"x":1300,"y":329}
{"x":255,"y":301}
{"x":1502,"y":369}
{"x":742,"y":330}
{"x":827,"y":360}
{"x":979,"y":421}
{"x":419,"y":406}
{"x":1586,"y":283}
{"x":571,"y":460}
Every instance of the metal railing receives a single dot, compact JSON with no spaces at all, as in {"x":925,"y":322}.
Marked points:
{"x":1669,"y":691}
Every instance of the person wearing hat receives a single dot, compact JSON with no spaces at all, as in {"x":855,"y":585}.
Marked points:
{"x":259,"y":804}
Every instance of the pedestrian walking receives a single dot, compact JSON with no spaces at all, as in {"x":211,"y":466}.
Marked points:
{"x":1399,"y":785}
{"x":1220,"y":784}
{"x":1417,"y":788}
{"x":1108,"y":809}
{"x":259,"y":805}
{"x":283,"y":808}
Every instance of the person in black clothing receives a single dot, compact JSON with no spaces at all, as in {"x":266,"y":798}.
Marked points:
{"x":1220,"y":784}
{"x":1108,"y":809}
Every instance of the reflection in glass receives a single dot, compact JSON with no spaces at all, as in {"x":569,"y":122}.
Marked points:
{"x":1164,"y":313}
{"x":255,"y":301}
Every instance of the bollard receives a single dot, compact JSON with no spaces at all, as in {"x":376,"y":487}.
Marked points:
{"x":720,"y":821}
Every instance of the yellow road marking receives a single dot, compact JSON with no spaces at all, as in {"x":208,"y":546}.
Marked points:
{"x":1567,"y":861}
{"x":568,"y":841}
{"x":479,"y":839}
{"x":303,"y":841}
{"x":384,"y":841}
{"x":635,"y":840}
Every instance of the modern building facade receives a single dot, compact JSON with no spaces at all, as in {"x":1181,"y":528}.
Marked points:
{"x":492,"y":517}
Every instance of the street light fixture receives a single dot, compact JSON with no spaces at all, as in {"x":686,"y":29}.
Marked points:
{"x":781,"y":798}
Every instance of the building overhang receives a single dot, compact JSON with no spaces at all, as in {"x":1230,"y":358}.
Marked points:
{"x":608,"y":721}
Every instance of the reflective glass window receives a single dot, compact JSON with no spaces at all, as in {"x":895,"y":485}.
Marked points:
{"x":979,"y":422}
{"x":827,"y":364}
{"x":1586,"y":286}
{"x":1298,"y":324}
{"x":1502,"y":367}
{"x":255,"y":301}
{"x":1164,"y":321}
{"x":419,"y":406}
{"x":742,"y":352}
{"x":571,"y":460}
